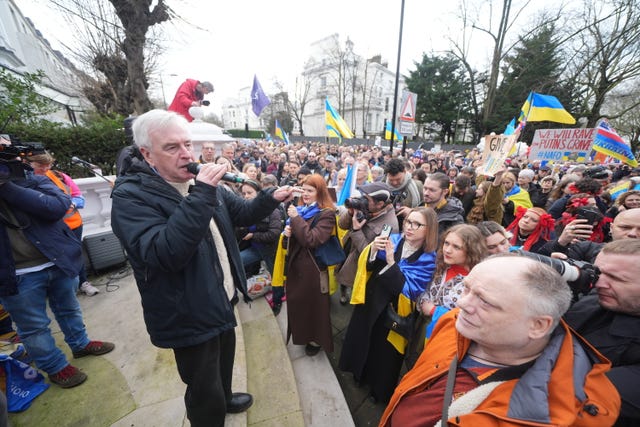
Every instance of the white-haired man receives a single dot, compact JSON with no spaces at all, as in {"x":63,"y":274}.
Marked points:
{"x":179,"y":238}
{"x":507,"y":357}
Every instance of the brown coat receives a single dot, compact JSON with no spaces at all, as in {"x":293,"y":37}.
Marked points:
{"x":307,"y":304}
{"x":356,"y":241}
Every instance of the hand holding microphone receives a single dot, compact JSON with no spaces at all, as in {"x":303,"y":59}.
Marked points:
{"x":204,"y":173}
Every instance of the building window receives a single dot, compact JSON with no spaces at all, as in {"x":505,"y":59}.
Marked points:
{"x":323,"y":82}
{"x":386,"y":104}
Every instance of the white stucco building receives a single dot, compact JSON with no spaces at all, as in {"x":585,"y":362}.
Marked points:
{"x":360,"y":89}
{"x":24,"y":49}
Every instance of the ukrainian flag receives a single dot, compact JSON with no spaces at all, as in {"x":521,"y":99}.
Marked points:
{"x":387,"y":132}
{"x":511,"y":127}
{"x":280,"y":133}
{"x":544,"y":108}
{"x":336,"y":126}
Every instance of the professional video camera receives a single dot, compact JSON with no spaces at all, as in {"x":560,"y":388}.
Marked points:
{"x":580,"y":275}
{"x":11,"y":164}
{"x":397,"y":197}
{"x":360,"y":204}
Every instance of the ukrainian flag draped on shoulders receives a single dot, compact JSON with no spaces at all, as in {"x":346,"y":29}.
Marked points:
{"x":279,"y":277}
{"x":417,"y":274}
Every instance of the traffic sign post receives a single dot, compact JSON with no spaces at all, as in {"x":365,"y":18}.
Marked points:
{"x":408,"y":110}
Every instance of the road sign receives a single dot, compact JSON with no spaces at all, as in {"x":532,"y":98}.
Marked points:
{"x":408,"y":110}
{"x":405,"y":128}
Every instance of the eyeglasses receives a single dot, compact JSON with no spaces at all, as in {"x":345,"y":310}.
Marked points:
{"x":412,"y":225}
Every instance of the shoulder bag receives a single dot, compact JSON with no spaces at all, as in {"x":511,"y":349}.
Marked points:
{"x":330,"y":252}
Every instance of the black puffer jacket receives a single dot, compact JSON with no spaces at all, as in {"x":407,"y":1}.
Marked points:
{"x":173,"y":255}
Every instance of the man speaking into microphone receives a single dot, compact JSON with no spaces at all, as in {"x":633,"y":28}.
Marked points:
{"x":179,"y":238}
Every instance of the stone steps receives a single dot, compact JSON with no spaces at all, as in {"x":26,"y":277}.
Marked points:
{"x":302,"y":390}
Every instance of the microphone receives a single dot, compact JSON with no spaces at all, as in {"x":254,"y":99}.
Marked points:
{"x":194,"y":168}
{"x":78,"y":160}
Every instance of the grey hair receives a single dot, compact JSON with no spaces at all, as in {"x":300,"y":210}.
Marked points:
{"x":151,"y":121}
{"x":549,"y":293}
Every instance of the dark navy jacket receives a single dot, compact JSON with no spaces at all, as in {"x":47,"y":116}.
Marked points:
{"x":39,"y":206}
{"x":174,"y":259}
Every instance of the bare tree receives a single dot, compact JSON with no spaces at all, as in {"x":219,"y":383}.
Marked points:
{"x":605,"y":54}
{"x":115,"y":50}
{"x":367,"y":89}
{"x":302,"y":96}
{"x":136,"y":18}
{"x":622,"y":109}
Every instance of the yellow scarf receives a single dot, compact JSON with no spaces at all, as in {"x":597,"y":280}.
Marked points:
{"x":405,"y":305}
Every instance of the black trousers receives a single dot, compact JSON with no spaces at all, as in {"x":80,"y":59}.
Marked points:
{"x":207,"y":370}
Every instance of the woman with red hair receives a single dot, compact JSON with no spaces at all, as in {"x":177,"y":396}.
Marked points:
{"x":531,"y":229}
{"x":310,"y":224}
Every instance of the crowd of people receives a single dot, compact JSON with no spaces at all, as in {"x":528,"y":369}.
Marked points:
{"x":448,"y":220}
{"x":446,"y":322}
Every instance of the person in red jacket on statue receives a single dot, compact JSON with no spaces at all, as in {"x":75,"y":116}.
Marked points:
{"x":190,"y":94}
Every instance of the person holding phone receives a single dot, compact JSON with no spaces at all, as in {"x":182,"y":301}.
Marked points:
{"x":392,"y":270}
{"x":310,"y":224}
{"x":376,"y":197}
{"x":582,"y":220}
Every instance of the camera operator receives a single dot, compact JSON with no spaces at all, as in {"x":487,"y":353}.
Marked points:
{"x":609,"y":319}
{"x":39,"y":259}
{"x":190,"y":94}
{"x":406,"y":191}
{"x":363,"y":218}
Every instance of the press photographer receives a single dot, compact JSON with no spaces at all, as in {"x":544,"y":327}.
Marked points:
{"x":363,"y":218}
{"x":40,"y":257}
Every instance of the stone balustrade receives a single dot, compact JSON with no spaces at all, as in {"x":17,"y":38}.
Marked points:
{"x":96,"y":215}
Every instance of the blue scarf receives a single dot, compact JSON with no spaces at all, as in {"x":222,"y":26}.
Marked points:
{"x":418,"y":274}
{"x":514,"y":190}
{"x":306,"y":211}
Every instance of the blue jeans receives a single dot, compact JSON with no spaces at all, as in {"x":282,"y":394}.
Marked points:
{"x":29,"y":312}
{"x":256,"y":254}
{"x":82,"y":275}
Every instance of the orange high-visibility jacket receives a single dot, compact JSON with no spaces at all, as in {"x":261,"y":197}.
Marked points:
{"x":72,"y":218}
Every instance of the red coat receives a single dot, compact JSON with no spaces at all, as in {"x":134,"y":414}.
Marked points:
{"x":185,"y":96}
{"x":554,"y":373}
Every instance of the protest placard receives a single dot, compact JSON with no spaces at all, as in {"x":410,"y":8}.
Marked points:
{"x":559,"y":145}
{"x":496,"y":150}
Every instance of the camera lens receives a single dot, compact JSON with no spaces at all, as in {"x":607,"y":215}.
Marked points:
{"x":206,"y":103}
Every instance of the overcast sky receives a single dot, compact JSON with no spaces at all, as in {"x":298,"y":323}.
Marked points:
{"x":227,"y":42}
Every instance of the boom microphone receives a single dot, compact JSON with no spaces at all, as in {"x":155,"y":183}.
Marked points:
{"x":194,"y":168}
{"x":78,"y":160}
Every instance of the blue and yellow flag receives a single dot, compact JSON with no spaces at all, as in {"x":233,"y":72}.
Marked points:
{"x":336,"y":126}
{"x":544,"y":108}
{"x":607,"y":141}
{"x":387,"y":132}
{"x":280,"y":133}
{"x":511,"y":127}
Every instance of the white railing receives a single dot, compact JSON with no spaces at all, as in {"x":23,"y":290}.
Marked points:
{"x":96,"y":215}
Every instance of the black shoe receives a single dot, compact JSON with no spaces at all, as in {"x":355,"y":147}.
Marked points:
{"x":311,"y":350}
{"x":240,"y":402}
{"x":276,"y":309}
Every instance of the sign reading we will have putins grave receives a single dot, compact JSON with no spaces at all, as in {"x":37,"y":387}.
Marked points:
{"x":562,"y":144}
{"x":496,"y":150}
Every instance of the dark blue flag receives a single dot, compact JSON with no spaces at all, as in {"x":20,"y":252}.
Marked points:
{"x":258,"y":98}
